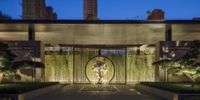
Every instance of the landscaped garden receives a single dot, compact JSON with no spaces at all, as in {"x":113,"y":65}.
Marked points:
{"x":10,"y":66}
{"x":189,"y":66}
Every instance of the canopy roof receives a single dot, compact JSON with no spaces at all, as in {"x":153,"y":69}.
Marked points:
{"x":100,"y":32}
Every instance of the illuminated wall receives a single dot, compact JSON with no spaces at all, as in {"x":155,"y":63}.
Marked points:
{"x":59,"y":67}
{"x":73,"y":65}
{"x":130,"y":66}
{"x":100,"y":70}
{"x":139,"y":64}
{"x":83,"y":55}
{"x":76,"y":65}
{"x":100,"y":34}
{"x":118,"y":57}
{"x":81,"y":58}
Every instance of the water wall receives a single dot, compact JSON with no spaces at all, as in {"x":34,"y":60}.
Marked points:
{"x":126,"y":65}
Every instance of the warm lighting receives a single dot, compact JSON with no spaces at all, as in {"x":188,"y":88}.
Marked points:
{"x":85,"y":66}
{"x":139,"y":67}
{"x":100,"y":70}
{"x":58,"y":68}
{"x":1,"y":77}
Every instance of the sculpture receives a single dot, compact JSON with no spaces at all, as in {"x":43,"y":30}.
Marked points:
{"x":100,"y":69}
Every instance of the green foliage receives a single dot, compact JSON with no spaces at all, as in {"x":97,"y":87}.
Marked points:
{"x":10,"y":75}
{"x":7,"y":65}
{"x":148,"y":12}
{"x":19,"y":87}
{"x":6,"y":57}
{"x":187,"y":65}
{"x":176,"y":87}
{"x":26,"y":63}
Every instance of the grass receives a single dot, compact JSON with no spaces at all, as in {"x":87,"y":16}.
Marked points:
{"x":17,"y":88}
{"x":176,"y":87}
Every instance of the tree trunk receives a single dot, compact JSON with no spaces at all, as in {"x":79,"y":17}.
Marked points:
{"x":191,"y":78}
{"x":1,"y":77}
{"x":166,"y":75}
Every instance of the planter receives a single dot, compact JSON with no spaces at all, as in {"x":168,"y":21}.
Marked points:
{"x":166,"y":94}
{"x":32,"y":94}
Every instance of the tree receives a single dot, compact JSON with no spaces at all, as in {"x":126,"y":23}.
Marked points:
{"x":6,"y":58}
{"x":8,"y":66}
{"x":187,"y":65}
{"x":148,"y":12}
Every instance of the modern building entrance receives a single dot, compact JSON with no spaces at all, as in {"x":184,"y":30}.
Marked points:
{"x":99,"y":64}
{"x":100,"y":51}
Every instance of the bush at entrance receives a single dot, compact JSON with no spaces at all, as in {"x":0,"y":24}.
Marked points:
{"x":176,"y":87}
{"x":17,"y":88}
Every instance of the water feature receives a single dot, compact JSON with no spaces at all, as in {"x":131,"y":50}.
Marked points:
{"x":77,"y":65}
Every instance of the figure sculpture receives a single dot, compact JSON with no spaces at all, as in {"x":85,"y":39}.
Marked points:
{"x":100,"y":69}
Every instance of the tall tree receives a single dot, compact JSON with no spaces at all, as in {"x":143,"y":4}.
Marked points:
{"x":6,"y":59}
{"x":8,"y":66}
{"x":188,"y":65}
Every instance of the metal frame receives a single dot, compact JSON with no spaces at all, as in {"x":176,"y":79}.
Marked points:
{"x":103,"y":57}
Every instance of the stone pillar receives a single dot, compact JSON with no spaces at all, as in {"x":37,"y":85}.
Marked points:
{"x":31,"y":32}
{"x":168,"y":32}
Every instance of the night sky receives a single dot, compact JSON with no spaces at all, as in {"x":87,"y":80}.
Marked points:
{"x":113,"y":9}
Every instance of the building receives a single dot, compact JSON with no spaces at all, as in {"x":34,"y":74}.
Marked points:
{"x":90,"y":9}
{"x":156,"y":14}
{"x":4,"y":16}
{"x":55,"y":16}
{"x":50,"y":14}
{"x":36,"y":9}
{"x":72,"y":49}
{"x":196,"y":18}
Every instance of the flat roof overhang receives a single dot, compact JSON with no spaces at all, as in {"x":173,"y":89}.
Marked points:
{"x":100,"y":21}
{"x":100,"y":32}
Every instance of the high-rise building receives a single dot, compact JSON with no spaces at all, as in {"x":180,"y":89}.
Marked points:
{"x":196,"y":18}
{"x":36,"y":9}
{"x":50,"y":14}
{"x":90,"y":9}
{"x":156,"y":14}
{"x":4,"y":16}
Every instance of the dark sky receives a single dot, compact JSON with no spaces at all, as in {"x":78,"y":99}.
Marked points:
{"x":113,"y":9}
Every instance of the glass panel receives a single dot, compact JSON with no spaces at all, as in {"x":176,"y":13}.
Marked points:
{"x":139,"y":64}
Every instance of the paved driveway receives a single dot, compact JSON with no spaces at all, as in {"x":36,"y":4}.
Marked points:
{"x":98,"y":92}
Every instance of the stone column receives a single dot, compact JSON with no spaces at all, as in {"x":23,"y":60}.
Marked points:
{"x":168,"y":32}
{"x":31,"y":32}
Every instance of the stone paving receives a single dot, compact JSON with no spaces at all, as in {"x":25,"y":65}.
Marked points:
{"x":96,"y":92}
